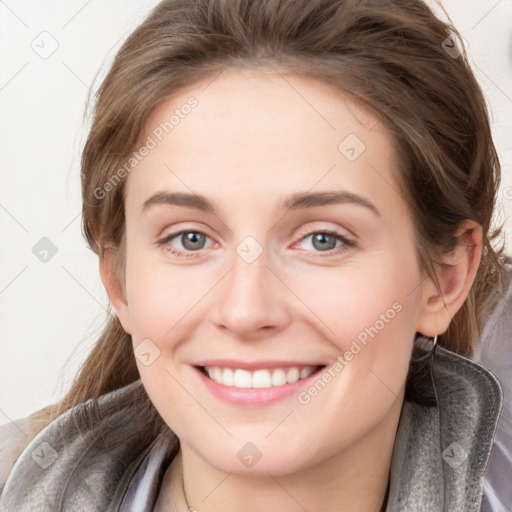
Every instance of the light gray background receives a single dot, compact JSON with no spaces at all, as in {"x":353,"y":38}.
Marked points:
{"x":52,"y":312}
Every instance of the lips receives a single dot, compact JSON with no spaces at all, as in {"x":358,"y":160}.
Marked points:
{"x":256,"y":383}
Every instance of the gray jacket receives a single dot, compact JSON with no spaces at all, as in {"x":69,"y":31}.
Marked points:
{"x":439,"y":457}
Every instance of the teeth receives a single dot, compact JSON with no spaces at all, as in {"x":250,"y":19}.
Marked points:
{"x":305,"y":372}
{"x":278,"y":377}
{"x":242,"y":379}
{"x":260,"y":378}
{"x":292,"y":375}
{"x":228,"y":377}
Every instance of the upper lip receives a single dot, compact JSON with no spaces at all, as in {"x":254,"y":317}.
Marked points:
{"x":255,"y":365}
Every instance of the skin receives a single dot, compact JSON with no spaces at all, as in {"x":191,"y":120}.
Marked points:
{"x":252,"y":141}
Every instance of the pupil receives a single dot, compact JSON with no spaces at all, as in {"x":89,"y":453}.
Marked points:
{"x":321,"y":239}
{"x":191,"y":239}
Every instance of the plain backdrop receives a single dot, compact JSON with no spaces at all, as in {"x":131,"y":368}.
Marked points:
{"x":52,"y":304}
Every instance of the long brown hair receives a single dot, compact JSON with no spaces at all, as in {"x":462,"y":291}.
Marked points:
{"x":394,"y":56}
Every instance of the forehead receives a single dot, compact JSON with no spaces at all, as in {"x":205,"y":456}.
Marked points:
{"x":260,"y":130}
{"x":271,"y":94}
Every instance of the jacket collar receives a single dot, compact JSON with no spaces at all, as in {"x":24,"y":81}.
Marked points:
{"x":441,"y":451}
{"x":439,"y":456}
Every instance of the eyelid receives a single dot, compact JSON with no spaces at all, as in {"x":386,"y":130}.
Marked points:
{"x":180,"y":227}
{"x":166,"y":238}
{"x":347,"y":241}
{"x":303,"y":232}
{"x":346,"y":245}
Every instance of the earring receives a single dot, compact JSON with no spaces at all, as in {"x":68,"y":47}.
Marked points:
{"x":428,"y":355}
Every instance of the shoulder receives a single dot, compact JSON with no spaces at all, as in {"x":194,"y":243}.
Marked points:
{"x":495,"y":353}
{"x":87,"y":455}
{"x":14,"y":436}
{"x":495,"y":348}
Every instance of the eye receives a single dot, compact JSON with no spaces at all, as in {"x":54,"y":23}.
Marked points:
{"x":325,"y":241}
{"x":190,"y":240}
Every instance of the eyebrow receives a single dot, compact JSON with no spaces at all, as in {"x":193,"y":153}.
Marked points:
{"x":297,"y":201}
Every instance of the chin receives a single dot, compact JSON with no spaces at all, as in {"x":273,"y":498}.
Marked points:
{"x":256,"y":459}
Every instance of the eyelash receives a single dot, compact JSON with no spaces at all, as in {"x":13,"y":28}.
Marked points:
{"x":347,"y":244}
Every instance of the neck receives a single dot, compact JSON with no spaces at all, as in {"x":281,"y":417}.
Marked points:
{"x":353,"y":479}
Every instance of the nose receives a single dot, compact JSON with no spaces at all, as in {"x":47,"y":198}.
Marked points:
{"x":252,"y":300}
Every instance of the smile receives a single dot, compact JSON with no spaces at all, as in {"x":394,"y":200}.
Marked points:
{"x":261,"y":378}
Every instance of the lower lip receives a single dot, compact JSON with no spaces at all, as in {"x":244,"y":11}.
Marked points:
{"x":255,"y":396}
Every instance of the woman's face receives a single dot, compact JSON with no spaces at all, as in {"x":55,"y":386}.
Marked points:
{"x":229,"y":272}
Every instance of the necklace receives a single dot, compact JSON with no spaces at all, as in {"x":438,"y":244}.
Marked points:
{"x":179,"y":498}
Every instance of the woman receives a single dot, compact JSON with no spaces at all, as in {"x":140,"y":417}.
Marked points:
{"x":291,"y":204}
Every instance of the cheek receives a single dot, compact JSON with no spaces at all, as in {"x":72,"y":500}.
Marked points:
{"x":371,"y":297}
{"x":367,"y":310}
{"x":372,"y":329}
{"x":161,"y":297}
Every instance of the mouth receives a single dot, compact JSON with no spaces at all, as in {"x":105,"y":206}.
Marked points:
{"x":261,"y":378}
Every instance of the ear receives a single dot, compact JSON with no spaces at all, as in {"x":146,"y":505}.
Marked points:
{"x":114,"y":287}
{"x":455,"y":281}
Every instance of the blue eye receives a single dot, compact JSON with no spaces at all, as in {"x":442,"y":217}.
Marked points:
{"x":325,"y":242}
{"x":322,"y":241}
{"x":193,"y":241}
